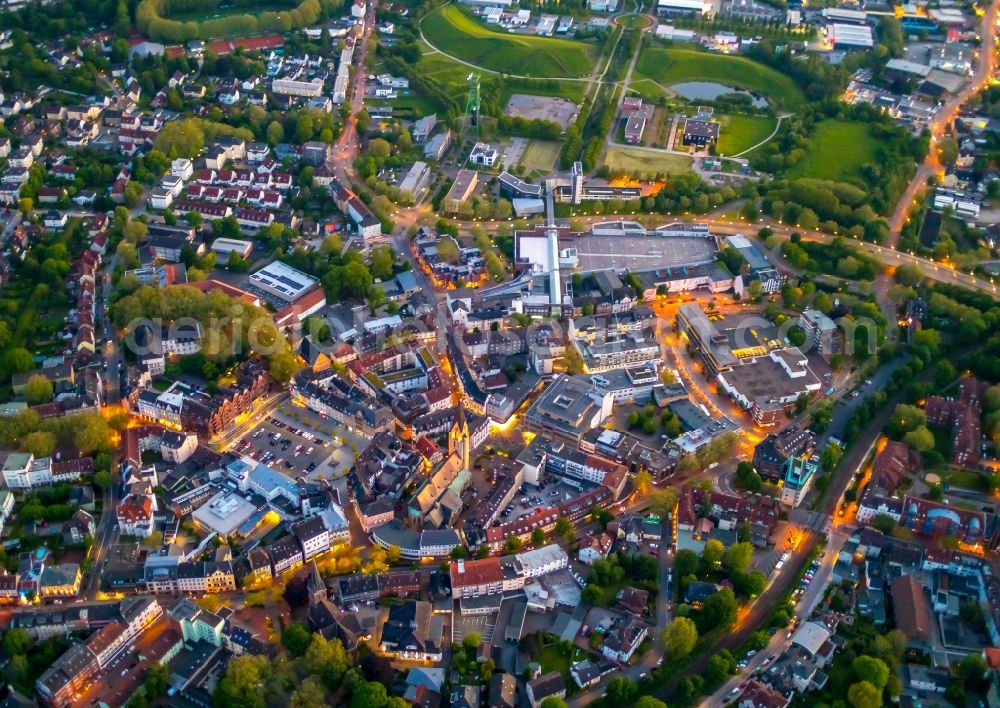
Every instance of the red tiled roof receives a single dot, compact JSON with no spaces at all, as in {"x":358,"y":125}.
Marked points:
{"x":249,"y":44}
{"x":476,"y":572}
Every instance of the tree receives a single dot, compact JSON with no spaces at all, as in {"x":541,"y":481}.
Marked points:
{"x":905,"y":418}
{"x":864,"y":695}
{"x":920,"y":439}
{"x":379,"y":147}
{"x":242,"y":684}
{"x":563,"y":527}
{"x":712,"y":552}
{"x":309,"y":694}
{"x":296,"y":638}
{"x":275,"y":133}
{"x":685,"y":563}
{"x":747,"y":478}
{"x":17,"y":641}
{"x":738,"y":557}
{"x":537,"y":537}
{"x":327,"y":660}
{"x":157,"y":679}
{"x":872,"y":670}
{"x":18,"y":360}
{"x":679,"y":638}
{"x":883,"y":523}
{"x":663,"y":501}
{"x":621,"y":691}
{"x":512,"y":544}
{"x":972,"y":668}
{"x":643,"y":482}
{"x":716,"y":671}
{"x":831,"y":456}
{"x":37,"y":389}
{"x":180,"y":138}
{"x":649,"y":702}
{"x":719,"y":610}
{"x":39,"y":443}
{"x":553,"y":702}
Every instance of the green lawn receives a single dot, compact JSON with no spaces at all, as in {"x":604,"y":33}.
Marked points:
{"x":836,"y":151}
{"x":739,"y":133}
{"x":210,"y":13}
{"x":541,"y":155}
{"x":457,"y":33}
{"x":966,"y":479}
{"x":669,"y":65}
{"x":553,"y":659}
{"x":643,"y":163}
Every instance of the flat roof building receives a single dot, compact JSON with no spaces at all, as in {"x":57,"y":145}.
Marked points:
{"x":224,"y":246}
{"x":223,"y":513}
{"x":282,"y":283}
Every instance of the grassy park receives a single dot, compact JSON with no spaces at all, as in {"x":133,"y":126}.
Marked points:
{"x":453,"y":31}
{"x":645,"y":163}
{"x":738,"y":133}
{"x":836,"y":151}
{"x":669,"y":65}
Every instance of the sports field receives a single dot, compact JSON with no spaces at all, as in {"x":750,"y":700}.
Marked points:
{"x":210,"y":13}
{"x":451,"y":30}
{"x":836,"y":151}
{"x":738,"y":133}
{"x":540,"y":155}
{"x":645,"y":163}
{"x":670,"y":65}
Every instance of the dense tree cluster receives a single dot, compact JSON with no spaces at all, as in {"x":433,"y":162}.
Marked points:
{"x":233,"y":328}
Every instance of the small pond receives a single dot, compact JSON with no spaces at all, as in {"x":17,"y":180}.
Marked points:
{"x":709,"y":91}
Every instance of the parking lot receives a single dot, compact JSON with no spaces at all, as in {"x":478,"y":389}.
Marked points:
{"x":289,"y":449}
{"x":530,"y":498}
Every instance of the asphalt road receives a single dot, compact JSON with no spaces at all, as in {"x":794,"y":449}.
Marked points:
{"x":761,"y":609}
{"x":944,"y":117}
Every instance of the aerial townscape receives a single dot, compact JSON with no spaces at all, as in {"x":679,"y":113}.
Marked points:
{"x":499,"y":353}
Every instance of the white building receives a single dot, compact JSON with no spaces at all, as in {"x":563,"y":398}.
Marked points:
{"x":542,"y":561}
{"x":291,"y":87}
{"x":223,"y":513}
{"x":683,"y":7}
{"x":182,"y":167}
{"x":483,"y":154}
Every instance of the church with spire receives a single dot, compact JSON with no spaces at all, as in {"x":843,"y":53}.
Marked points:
{"x":459,"y":440}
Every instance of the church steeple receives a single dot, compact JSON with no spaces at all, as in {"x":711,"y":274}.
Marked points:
{"x":459,"y":441}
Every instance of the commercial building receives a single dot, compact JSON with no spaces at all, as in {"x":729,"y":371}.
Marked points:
{"x":711,"y":344}
{"x":844,"y":36}
{"x":568,"y":408}
{"x":416,"y":179}
{"x":461,"y":190}
{"x":767,"y":385}
{"x":772,"y":454}
{"x":635,"y":125}
{"x":800,"y":473}
{"x":821,"y":331}
{"x":281,"y":284}
{"x":700,"y":133}
{"x":224,"y":513}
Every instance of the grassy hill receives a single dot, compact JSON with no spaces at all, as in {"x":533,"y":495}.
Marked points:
{"x":670,"y":65}
{"x":836,"y":151}
{"x":454,"y":32}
